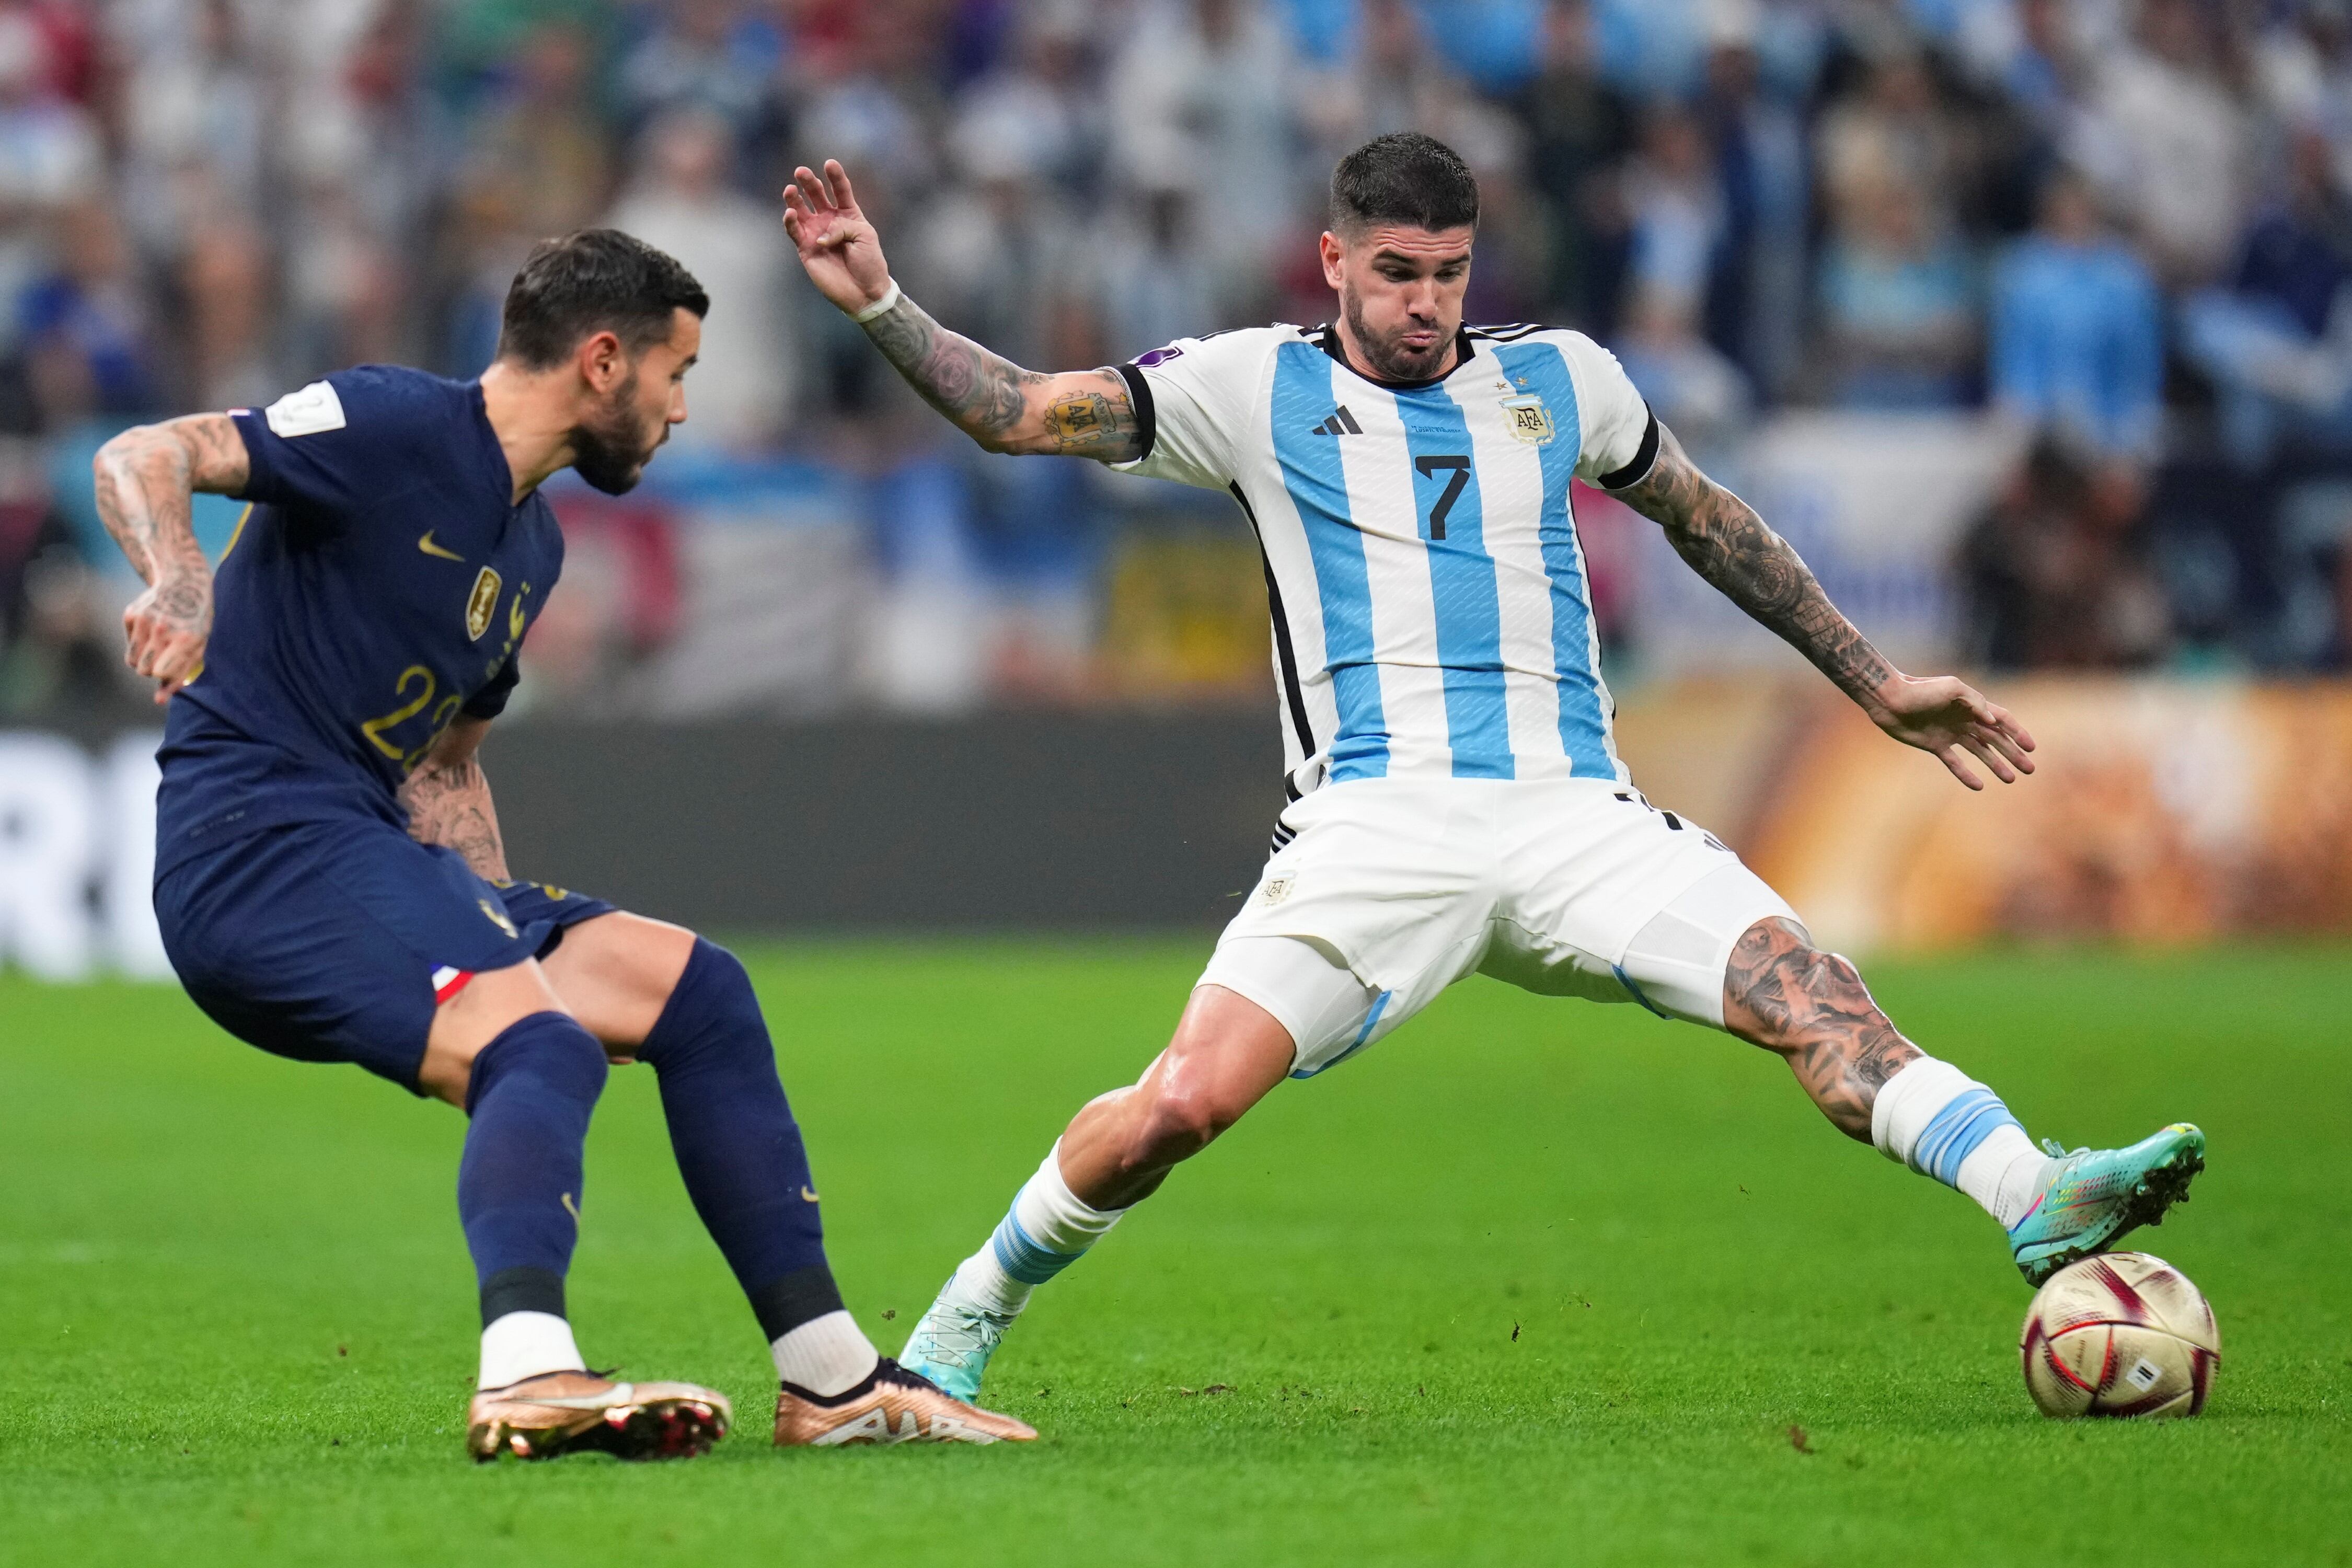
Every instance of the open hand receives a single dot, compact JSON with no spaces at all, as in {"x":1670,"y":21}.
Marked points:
{"x":838,"y":247}
{"x":168,"y":626}
{"x":1946,"y":717}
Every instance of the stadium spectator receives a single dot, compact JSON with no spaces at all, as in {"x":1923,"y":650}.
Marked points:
{"x":2278,"y":341}
{"x":1897,"y":300}
{"x":49,"y":153}
{"x":2170,"y":144}
{"x":1675,"y":216}
{"x":1756,"y":312}
{"x":1580,"y":128}
{"x":2054,"y":575}
{"x":715,"y":56}
{"x":681,"y":202}
{"x":2076,"y":340}
{"x":1208,"y":82}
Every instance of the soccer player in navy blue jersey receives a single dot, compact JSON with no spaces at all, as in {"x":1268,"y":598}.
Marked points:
{"x":330,"y":878}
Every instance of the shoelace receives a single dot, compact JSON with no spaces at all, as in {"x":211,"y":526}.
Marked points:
{"x":962,"y":1336}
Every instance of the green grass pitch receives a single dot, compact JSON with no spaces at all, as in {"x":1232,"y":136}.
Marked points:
{"x":1532,"y":1282}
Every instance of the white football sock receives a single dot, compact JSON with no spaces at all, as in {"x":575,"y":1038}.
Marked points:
{"x":827,"y":1355}
{"x":524,"y":1344}
{"x":2005,"y":1174}
{"x":1936,"y":1120}
{"x":1048,"y":1228}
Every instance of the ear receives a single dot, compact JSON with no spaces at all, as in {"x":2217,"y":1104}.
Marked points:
{"x":1334,"y":254}
{"x":602,"y":363}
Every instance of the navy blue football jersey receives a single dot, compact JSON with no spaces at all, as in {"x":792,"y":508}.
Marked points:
{"x":377,"y":588}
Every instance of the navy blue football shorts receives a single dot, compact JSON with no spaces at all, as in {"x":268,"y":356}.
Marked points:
{"x":334,"y":942}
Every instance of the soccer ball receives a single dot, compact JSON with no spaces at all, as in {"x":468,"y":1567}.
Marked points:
{"x":2123,"y":1335}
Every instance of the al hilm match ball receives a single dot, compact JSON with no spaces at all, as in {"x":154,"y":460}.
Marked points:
{"x":2123,"y":1335}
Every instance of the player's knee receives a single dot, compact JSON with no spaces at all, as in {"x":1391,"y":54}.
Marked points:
{"x":711,"y":1012}
{"x":550,"y":1048}
{"x":1780,"y":989}
{"x":1179,"y":1121}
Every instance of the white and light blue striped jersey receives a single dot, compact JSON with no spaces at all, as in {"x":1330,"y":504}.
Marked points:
{"x":1432,"y":615}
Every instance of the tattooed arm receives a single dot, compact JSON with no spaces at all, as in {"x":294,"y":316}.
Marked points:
{"x":146,"y":477}
{"x":449,"y":800}
{"x":1076,"y":413}
{"x":1726,"y":542}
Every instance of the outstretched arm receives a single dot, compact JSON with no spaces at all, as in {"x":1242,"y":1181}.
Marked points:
{"x":1076,"y":413}
{"x":1726,"y":542}
{"x":449,"y":800}
{"x":146,"y":477}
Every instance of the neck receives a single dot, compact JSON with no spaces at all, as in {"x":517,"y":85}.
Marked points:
{"x":1361,"y":363}
{"x":531,"y":415}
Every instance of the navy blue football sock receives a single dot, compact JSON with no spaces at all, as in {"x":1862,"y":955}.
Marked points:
{"x":737,"y":1144}
{"x":532,"y":1091}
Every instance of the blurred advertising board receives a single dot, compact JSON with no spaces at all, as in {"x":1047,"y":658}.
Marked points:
{"x":2160,"y":812}
{"x":77,"y":854}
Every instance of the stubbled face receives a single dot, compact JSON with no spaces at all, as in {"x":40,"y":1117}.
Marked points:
{"x":616,"y":437}
{"x":1400,"y":292}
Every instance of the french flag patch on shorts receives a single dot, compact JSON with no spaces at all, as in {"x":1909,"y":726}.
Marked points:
{"x":448,"y":982}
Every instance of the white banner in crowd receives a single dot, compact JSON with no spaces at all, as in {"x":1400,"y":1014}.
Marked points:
{"x":78,"y":857}
{"x":1878,"y":504}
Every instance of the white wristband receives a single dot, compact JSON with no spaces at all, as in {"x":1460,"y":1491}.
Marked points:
{"x":882,"y":306}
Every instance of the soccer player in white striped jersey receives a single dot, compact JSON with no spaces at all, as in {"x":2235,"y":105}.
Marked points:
{"x":1456,"y":802}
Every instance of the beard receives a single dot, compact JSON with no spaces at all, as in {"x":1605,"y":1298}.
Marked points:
{"x":610,"y":448}
{"x":1388,"y":357}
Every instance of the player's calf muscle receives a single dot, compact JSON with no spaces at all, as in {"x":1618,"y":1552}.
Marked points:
{"x":1785,"y":994}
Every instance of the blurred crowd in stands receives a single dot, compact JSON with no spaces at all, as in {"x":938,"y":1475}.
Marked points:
{"x":2126,"y":226}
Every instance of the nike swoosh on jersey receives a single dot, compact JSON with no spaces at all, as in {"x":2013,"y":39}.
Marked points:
{"x":426,"y":545}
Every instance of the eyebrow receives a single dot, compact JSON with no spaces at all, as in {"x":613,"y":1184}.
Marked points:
{"x":1385,"y":254}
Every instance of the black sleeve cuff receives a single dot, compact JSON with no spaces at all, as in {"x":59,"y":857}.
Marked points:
{"x":257,"y":474}
{"x":1645,"y":458}
{"x":1139,"y":392}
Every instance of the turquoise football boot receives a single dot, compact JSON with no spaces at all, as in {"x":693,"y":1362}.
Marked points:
{"x":953,"y":1343}
{"x":2093,"y":1196}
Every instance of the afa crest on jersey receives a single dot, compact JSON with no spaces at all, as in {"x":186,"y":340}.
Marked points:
{"x":480,"y":603}
{"x":1530,"y":419}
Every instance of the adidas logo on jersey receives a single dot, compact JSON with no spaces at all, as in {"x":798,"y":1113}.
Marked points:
{"x":1342,"y":422}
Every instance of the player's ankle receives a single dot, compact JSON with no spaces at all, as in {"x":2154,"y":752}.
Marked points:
{"x":827,"y":1355}
{"x":517,"y":1345}
{"x":1942,"y":1123}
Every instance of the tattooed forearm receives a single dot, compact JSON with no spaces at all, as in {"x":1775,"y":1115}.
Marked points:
{"x":448,"y":804}
{"x":982,"y":393}
{"x":1783,"y":993}
{"x":146,"y":477}
{"x":1726,"y":542}
{"x":1001,"y":405}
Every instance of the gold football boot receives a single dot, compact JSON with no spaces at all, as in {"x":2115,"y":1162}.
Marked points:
{"x":573,"y":1412}
{"x":892,"y":1405}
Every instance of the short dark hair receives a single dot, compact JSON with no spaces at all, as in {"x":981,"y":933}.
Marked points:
{"x":1403,"y":177}
{"x":596,"y":281}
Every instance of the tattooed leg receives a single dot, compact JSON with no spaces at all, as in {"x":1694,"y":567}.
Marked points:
{"x":1785,"y":994}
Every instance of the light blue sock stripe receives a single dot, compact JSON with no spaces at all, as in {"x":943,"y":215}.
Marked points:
{"x":1954,"y":1132}
{"x":1022,"y":1258}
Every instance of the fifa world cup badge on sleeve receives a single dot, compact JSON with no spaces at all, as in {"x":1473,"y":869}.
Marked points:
{"x":1530,"y":420}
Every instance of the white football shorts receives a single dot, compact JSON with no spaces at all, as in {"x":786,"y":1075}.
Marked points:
{"x":1389,"y":890}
